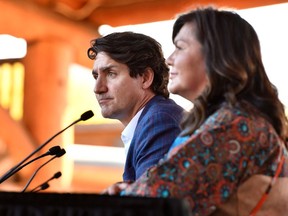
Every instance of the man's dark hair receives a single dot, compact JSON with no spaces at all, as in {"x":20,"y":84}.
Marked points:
{"x":139,"y":52}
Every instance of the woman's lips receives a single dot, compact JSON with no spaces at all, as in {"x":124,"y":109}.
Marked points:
{"x":172,"y":75}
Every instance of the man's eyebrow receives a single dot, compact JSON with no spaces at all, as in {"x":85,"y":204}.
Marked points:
{"x":104,"y":68}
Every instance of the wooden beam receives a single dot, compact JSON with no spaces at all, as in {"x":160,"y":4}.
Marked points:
{"x":152,"y":11}
{"x":23,"y":20}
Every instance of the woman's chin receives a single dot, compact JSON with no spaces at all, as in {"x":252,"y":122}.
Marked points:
{"x":173,"y":90}
{"x":172,"y":87}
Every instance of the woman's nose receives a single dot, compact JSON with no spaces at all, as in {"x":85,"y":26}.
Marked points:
{"x":169,"y":60}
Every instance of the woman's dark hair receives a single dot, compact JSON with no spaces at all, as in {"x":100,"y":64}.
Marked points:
{"x":234,"y":68}
{"x":138,"y":52}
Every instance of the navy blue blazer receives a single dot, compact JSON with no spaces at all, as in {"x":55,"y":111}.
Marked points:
{"x":157,"y":127}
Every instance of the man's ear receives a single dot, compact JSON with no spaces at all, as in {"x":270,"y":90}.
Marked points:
{"x":148,"y":77}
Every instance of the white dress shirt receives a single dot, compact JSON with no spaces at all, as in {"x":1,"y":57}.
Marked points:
{"x":128,"y":132}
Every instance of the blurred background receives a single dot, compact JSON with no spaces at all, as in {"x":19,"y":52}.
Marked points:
{"x":46,"y":82}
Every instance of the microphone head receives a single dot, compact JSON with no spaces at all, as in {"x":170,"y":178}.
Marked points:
{"x":54,"y":150}
{"x":45,"y":186}
{"x":87,"y":115}
{"x":57,"y":175}
{"x":61,"y":153}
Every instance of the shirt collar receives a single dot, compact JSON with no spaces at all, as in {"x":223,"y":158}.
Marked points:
{"x":128,"y":132}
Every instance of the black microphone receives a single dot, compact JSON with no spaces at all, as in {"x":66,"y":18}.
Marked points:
{"x":45,"y":184}
{"x":60,"y":154}
{"x":52,"y":151}
{"x":85,"y":116}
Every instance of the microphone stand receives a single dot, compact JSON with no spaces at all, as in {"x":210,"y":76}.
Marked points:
{"x":84,"y":117}
{"x":46,"y":185}
{"x":52,"y":151}
{"x":32,"y":177}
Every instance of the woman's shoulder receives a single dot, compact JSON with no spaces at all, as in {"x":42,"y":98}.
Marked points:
{"x":239,"y":114}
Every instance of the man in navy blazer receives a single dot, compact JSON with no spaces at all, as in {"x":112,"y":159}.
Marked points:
{"x":131,"y":78}
{"x":156,"y":129}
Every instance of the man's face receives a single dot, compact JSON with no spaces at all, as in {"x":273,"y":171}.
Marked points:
{"x":118,"y":94}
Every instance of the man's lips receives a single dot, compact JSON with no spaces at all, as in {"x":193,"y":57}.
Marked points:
{"x":103,"y":101}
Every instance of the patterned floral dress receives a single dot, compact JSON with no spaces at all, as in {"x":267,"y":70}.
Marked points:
{"x":233,"y":144}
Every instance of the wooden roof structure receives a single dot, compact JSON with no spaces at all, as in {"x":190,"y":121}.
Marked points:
{"x":77,"y":21}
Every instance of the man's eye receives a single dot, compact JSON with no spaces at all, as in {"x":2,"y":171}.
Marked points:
{"x":95,"y":76}
{"x":111,"y":74}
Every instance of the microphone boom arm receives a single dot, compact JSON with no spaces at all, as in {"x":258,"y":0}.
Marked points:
{"x":86,"y":115}
{"x":32,"y":177}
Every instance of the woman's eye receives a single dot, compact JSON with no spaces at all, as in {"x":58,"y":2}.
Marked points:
{"x":178,"y":47}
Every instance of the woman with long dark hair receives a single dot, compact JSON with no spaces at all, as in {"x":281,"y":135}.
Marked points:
{"x":231,"y":153}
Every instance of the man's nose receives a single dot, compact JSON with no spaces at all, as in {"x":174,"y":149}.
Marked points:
{"x":100,"y":86}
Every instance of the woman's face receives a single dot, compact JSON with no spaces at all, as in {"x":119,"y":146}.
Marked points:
{"x":187,"y":65}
